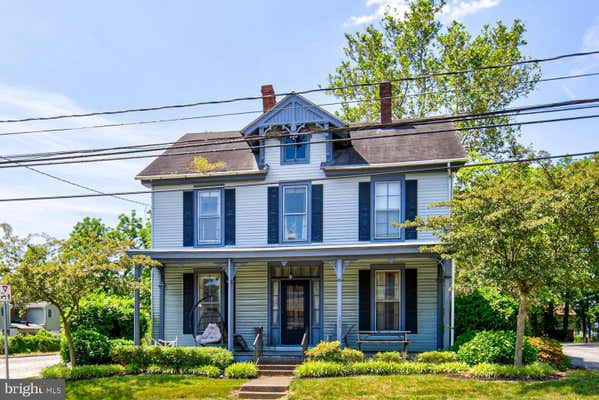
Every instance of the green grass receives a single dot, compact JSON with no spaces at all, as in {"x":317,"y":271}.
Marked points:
{"x":152,"y":387}
{"x":577,"y":385}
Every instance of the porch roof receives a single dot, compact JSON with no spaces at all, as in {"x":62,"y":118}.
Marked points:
{"x":277,"y":253}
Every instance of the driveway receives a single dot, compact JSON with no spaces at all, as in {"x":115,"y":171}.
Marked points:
{"x":27,"y":367}
{"x":585,"y":355}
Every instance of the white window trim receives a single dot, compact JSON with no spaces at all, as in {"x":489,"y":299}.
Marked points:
{"x":305,"y":214}
{"x":218,"y":216}
{"x":387,"y":209}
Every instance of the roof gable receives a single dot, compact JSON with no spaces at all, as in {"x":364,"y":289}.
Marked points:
{"x":292,"y":113}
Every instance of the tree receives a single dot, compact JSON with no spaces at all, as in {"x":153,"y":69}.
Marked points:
{"x":136,"y":230}
{"x":416,"y":44}
{"x":12,"y":248}
{"x":511,"y":228}
{"x":65,"y":272}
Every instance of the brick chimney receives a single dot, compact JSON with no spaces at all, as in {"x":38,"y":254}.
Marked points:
{"x":385,"y":99}
{"x":268,"y":97}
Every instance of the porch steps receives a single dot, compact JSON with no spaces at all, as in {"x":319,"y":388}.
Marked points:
{"x":274,"y":377}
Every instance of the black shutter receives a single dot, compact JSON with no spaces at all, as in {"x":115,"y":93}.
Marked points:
{"x":317,"y":206}
{"x":273,"y":214}
{"x":229,"y":216}
{"x":364,"y":300}
{"x":411,"y":299}
{"x":411,"y":207}
{"x":188,"y":284}
{"x":364,"y":211}
{"x":188,"y":219}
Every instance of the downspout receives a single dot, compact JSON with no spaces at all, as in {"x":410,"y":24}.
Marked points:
{"x":452,"y":324}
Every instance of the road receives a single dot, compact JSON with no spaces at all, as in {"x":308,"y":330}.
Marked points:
{"x":26,"y":367}
{"x":585,"y":355}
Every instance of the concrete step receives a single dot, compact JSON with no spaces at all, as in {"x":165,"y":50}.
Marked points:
{"x":286,"y":367}
{"x":267,"y":387}
{"x":260,"y":395}
{"x":275,"y":372}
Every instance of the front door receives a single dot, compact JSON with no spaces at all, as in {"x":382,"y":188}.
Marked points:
{"x":295,"y":310}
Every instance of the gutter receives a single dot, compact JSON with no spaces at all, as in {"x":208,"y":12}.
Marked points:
{"x":199,"y":177}
{"x":342,"y":169}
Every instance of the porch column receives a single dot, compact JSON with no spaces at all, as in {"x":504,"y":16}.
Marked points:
{"x":136,"y":327}
{"x":161,"y":302}
{"x":339,"y":270}
{"x":231,"y":270}
{"x":447,"y":276}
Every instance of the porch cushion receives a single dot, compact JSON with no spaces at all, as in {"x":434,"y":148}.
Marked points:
{"x":211,"y":334}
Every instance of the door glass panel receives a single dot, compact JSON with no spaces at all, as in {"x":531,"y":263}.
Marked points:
{"x":295,"y":307}
{"x":209,"y":287}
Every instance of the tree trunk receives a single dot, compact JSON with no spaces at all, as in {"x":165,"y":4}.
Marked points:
{"x":521,"y":322}
{"x":67,"y":334}
{"x":566,"y":320}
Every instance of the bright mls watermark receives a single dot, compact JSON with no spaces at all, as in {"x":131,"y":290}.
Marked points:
{"x":38,"y":389}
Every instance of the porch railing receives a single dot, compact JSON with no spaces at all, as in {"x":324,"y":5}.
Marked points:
{"x":304,"y":343}
{"x":258,"y":345}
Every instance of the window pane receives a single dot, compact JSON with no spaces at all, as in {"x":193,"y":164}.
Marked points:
{"x":381,"y":202}
{"x":391,"y":285}
{"x":381,"y":189}
{"x":295,"y":200}
{"x":289,"y":150}
{"x":300,"y":151}
{"x":387,"y":316}
{"x":209,"y":203}
{"x":393,"y":188}
{"x":393,"y":203}
{"x":295,"y":227}
{"x":209,"y":229}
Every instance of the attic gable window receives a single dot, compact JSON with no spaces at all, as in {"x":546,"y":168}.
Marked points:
{"x":295,"y":149}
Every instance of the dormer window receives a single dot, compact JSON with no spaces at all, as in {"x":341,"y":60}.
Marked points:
{"x":295,"y":149}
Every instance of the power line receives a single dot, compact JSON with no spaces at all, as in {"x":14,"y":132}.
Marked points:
{"x":217,"y":115}
{"x":58,"y":178}
{"x":237,"y":99}
{"x":328,"y":178}
{"x":152,"y":147}
{"x":533,"y":122}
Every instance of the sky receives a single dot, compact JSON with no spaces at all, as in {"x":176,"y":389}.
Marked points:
{"x":71,"y":56}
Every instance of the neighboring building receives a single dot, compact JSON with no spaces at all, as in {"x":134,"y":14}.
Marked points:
{"x":303,"y":230}
{"x":40,"y":315}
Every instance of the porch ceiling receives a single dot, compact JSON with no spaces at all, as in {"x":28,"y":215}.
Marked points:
{"x":317,"y":252}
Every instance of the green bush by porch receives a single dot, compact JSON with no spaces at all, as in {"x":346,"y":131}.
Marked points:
{"x":173,"y":357}
{"x":242,"y":370}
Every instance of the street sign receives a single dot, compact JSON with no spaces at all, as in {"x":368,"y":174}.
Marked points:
{"x":5,"y":293}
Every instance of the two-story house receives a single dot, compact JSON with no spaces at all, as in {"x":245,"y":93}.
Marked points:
{"x":291,"y":230}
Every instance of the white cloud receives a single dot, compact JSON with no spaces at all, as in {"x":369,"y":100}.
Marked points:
{"x":589,"y":42}
{"x":454,"y":9}
{"x":590,"y":38}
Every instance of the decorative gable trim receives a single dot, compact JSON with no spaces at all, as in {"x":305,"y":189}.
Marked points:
{"x":293,"y":112}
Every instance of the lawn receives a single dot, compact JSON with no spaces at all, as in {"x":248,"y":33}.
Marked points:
{"x":153,"y":387}
{"x":577,"y":385}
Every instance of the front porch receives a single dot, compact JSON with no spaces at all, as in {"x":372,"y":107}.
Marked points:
{"x":325,"y":293}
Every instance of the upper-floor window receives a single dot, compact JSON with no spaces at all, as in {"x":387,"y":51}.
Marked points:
{"x":295,"y":149}
{"x":387,"y":200}
{"x":295,"y":213}
{"x":209,"y":216}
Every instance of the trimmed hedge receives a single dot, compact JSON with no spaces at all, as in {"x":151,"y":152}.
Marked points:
{"x":532,"y":371}
{"x":242,"y":370}
{"x":90,"y":348}
{"x":323,"y":369}
{"x":437,"y":357}
{"x":62,"y":371}
{"x":389,"y":356}
{"x":179,"y":358}
{"x":42,"y":341}
{"x":495,"y":347}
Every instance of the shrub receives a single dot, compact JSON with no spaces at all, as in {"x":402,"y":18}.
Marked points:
{"x":112,"y":316}
{"x":485,"y":309}
{"x":209,"y":371}
{"x":121,"y":342}
{"x":42,"y":341}
{"x":325,"y":351}
{"x":171,"y":357}
{"x":351,"y":355}
{"x":389,"y":356}
{"x":437,"y":357}
{"x":374,"y":368}
{"x":90,"y":347}
{"x":535,"y":370}
{"x":321,"y":369}
{"x":494,"y":347}
{"x":241,"y":370}
{"x":463,"y":338}
{"x":550,"y":352}
{"x":62,"y":371}
{"x":449,"y":368}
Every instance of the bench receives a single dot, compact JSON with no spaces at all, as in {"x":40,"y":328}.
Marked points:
{"x":383,"y":337}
